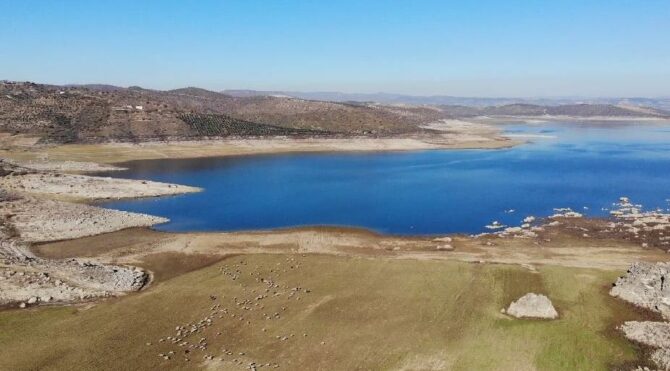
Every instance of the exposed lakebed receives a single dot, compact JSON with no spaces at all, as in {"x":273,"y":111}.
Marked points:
{"x":583,"y":166}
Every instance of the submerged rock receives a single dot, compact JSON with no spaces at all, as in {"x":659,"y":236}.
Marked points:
{"x":532,"y":306}
{"x":495,"y":225}
{"x":529,"y":219}
{"x":646,"y":285}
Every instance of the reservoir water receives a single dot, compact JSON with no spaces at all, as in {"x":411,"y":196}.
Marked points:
{"x":586,"y":167}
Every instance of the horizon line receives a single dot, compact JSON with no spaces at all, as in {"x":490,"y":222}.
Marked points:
{"x":441,"y":95}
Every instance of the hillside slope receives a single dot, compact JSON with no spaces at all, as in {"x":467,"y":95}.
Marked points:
{"x":98,"y":113}
{"x":103,"y":113}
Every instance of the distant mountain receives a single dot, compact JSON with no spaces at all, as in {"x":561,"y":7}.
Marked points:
{"x":445,"y":100}
{"x":570,"y":110}
{"x":99,"y":112}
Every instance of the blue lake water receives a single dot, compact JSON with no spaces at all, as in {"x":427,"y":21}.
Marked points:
{"x":586,"y":167}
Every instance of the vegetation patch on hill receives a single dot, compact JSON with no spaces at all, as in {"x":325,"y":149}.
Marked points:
{"x":217,"y":125}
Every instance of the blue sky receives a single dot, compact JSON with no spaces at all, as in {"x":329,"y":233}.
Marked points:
{"x":466,"y":48}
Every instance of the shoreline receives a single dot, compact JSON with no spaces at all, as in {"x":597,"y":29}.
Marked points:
{"x":482,"y":132}
{"x":501,"y":119}
{"x":115,"y":153}
{"x":134,"y":245}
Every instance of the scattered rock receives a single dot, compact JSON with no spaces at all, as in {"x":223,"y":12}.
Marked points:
{"x":529,"y":219}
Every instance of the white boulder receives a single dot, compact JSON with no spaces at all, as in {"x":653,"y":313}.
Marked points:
{"x":532,"y":306}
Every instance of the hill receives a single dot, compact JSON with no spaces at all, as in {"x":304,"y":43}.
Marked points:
{"x":94,"y":113}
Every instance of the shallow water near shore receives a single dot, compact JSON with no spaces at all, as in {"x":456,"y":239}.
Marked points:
{"x":584,"y":166}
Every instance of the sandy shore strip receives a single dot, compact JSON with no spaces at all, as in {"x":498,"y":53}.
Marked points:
{"x":109,"y":153}
{"x":133,"y":246}
{"x":84,"y":187}
{"x":502,"y":119}
{"x":45,"y":164}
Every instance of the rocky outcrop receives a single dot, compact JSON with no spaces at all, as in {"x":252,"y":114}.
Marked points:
{"x":646,"y":285}
{"x":32,"y":281}
{"x":651,"y":334}
{"x":27,"y":280}
{"x":532,"y":306}
{"x":661,"y":357}
{"x":39,"y":220}
{"x":26,"y":217}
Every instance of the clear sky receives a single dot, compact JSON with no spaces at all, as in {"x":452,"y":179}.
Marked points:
{"x":464,"y":48}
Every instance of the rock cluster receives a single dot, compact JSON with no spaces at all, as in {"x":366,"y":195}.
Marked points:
{"x":445,"y":244}
{"x":628,"y":221}
{"x":525,"y":230}
{"x":565,"y":212}
{"x":650,"y":228}
{"x":532,"y":306}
